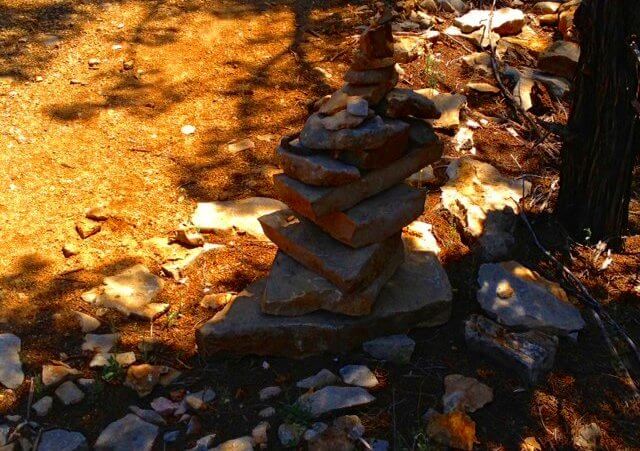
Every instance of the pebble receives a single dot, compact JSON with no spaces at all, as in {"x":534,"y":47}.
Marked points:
{"x":241,"y":145}
{"x":127,"y":433}
{"x":55,"y":374}
{"x":358,"y":375}
{"x":62,"y":440}
{"x":188,"y":129}
{"x":87,"y":322}
{"x":163,"y":406}
{"x":87,"y":228}
{"x":93,"y":63}
{"x":259,"y":433}
{"x":43,"y":406}
{"x":358,"y":106}
{"x":198,"y":400}
{"x":70,"y":249}
{"x":69,"y":393}
{"x":322,"y":378}
{"x":267,"y":412}
{"x":314,"y":431}
{"x":127,"y":65}
{"x":290,"y":434}
{"x":269,"y":392}
{"x":171,"y":436}
{"x":150,"y":416}
{"x":237,"y":444}
{"x":100,"y":342}
{"x":194,"y":427}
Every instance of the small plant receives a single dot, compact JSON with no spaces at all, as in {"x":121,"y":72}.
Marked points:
{"x":432,"y":71}
{"x":172,"y":318}
{"x":296,"y":414}
{"x":38,"y":387}
{"x":112,"y":371}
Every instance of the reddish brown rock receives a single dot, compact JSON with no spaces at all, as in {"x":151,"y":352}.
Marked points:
{"x":375,"y":218}
{"x":311,"y":201}
{"x":349,"y":269}
{"x":377,"y":42}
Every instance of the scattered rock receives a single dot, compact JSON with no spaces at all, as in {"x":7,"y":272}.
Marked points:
{"x":132,"y":292}
{"x":269,"y":392}
{"x":188,"y":129}
{"x":93,"y":63}
{"x":322,"y":378}
{"x":453,"y":429}
{"x":465,"y":394}
{"x":379,"y":445}
{"x":240,"y":215}
{"x":393,"y":348}
{"x":189,"y":236}
{"x":409,"y":48}
{"x":217,"y":300}
{"x":70,"y":249}
{"x":483,"y":87}
{"x":480,"y":38}
{"x":150,"y":416}
{"x":69,"y":393}
{"x":560,"y":59}
{"x":506,"y":21}
{"x":452,"y":6}
{"x":11,"y":375}
{"x":484,"y":203}
{"x":204,"y":443}
{"x":333,"y":398}
{"x":342,"y":120}
{"x":519,"y":297}
{"x":530,"y":444}
{"x":463,"y":140}
{"x":358,"y":375}
{"x":400,"y":103}
{"x":237,"y":444}
{"x":529,"y":354}
{"x":56,"y":374}
{"x":198,"y":400}
{"x":587,"y":437}
{"x":143,"y":378}
{"x":100,"y":343}
{"x":163,"y":406}
{"x":290,"y":434}
{"x":241,"y":145}
{"x":357,"y":106}
{"x":546,"y":7}
{"x":99,"y":213}
{"x":62,"y":440}
{"x":420,"y":236}
{"x":87,"y":228}
{"x":259,"y":434}
{"x":267,"y":412}
{"x":126,"y":434}
{"x":42,"y":407}
{"x":421,"y":178}
{"x":87,"y":322}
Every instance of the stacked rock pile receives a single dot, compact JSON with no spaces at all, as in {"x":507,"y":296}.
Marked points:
{"x":340,"y":241}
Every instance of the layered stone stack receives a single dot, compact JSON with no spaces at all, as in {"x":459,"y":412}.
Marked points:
{"x":340,"y":241}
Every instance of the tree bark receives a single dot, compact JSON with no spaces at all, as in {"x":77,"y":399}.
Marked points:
{"x":598,"y":156}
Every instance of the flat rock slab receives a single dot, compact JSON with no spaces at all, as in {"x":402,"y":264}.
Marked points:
{"x":11,"y":375}
{"x":293,"y":290}
{"x":484,"y":203}
{"x":506,"y":21}
{"x":358,"y":375}
{"x":349,"y":269}
{"x":449,"y":106}
{"x":240,"y":215}
{"x":132,"y":292}
{"x":418,"y":295}
{"x":314,"y":201}
{"x":519,"y":297}
{"x":530,"y":354}
{"x":375,"y":158}
{"x":561,"y":59}
{"x":401,"y":103}
{"x":314,"y":168}
{"x":127,"y":434}
{"x":320,"y":379}
{"x":62,"y":440}
{"x":373,"y":133}
{"x":376,"y":218}
{"x":329,"y":399}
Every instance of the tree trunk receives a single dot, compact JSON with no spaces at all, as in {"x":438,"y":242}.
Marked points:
{"x":598,"y":156}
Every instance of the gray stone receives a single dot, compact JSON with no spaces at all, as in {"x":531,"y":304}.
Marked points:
{"x":379,"y":445}
{"x":171,"y":436}
{"x":561,"y":59}
{"x":148,"y":415}
{"x":332,"y":398}
{"x":199,"y":400}
{"x":241,"y":215}
{"x":358,"y":106}
{"x":313,"y":201}
{"x":349,"y":269}
{"x":373,"y":133}
{"x":393,"y":348}
{"x":62,"y":440}
{"x":318,"y":380}
{"x":506,"y":21}
{"x":292,"y":289}
{"x":163,"y":406}
{"x":290,"y":434}
{"x":5,"y":430}
{"x":529,"y":354}
{"x":269,"y":392}
{"x":100,"y":343}
{"x":453,"y":6}
{"x":259,"y":434}
{"x":519,"y":297}
{"x":11,"y":375}
{"x":418,"y":295}
{"x":358,"y":375}
{"x":42,"y":407}
{"x":342,"y":120}
{"x":126,"y":434}
{"x":69,"y":393}
{"x":449,"y":106}
{"x":314,"y":168}
{"x":400,"y":103}
{"x":371,"y":76}
{"x":314,"y":431}
{"x":86,"y":322}
{"x":376,"y":218}
{"x":421,"y":132}
{"x":375,"y":158}
{"x":267,"y":412}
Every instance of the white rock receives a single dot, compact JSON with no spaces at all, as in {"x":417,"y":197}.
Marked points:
{"x":322,"y":378}
{"x":188,"y":129}
{"x":87,"y":322}
{"x":259,"y":433}
{"x":269,"y":392}
{"x":420,"y":236}
{"x":333,"y":398}
{"x":11,"y":375}
{"x":100,"y":343}
{"x":358,"y":375}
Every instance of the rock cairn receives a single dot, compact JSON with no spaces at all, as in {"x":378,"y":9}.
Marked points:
{"x":340,"y":241}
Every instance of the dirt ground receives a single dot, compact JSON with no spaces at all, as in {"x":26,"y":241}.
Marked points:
{"x":74,"y":137}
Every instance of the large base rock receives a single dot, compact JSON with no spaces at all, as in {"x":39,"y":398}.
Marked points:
{"x":418,"y":295}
